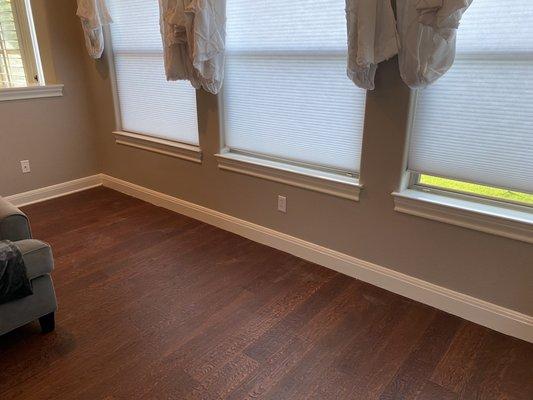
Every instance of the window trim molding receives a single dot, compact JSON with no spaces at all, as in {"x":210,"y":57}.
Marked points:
{"x":305,"y":178}
{"x":465,"y":211}
{"x":110,"y":61}
{"x":153,"y":144}
{"x":31,"y":92}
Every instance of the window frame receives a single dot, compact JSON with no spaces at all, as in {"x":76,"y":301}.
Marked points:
{"x":141,"y":141}
{"x":31,"y":58}
{"x":331,"y":181}
{"x":29,"y":50}
{"x":482,"y":213}
{"x":413,"y":178}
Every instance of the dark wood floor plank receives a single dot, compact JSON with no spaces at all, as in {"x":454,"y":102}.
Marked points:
{"x":293,"y":345}
{"x":421,"y":363}
{"x":291,"y":325}
{"x":330,"y":339}
{"x":147,"y":342}
{"x":155,"y":305}
{"x":270,"y":371}
{"x":458,"y":365}
{"x":493,"y":360}
{"x":166,"y":338}
{"x":251,"y":328}
{"x":516,"y":381}
{"x":374,"y":375}
{"x":432,"y":391}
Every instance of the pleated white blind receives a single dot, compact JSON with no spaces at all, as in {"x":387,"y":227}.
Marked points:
{"x":476,"y":123}
{"x":148,"y":103}
{"x":286,"y":94}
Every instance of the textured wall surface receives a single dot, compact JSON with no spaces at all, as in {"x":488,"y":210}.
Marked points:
{"x":56,"y":134}
{"x":485,"y":266}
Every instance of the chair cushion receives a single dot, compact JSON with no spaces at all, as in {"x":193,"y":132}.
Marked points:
{"x":37,"y":256}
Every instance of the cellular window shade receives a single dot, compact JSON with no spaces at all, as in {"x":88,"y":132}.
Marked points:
{"x":148,"y":103}
{"x":286,"y":94}
{"x":476,"y":123}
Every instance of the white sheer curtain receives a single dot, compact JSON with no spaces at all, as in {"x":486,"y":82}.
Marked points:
{"x":476,"y":123}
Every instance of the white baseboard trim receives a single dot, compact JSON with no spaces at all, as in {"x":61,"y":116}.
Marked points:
{"x":51,"y":192}
{"x":470,"y":308}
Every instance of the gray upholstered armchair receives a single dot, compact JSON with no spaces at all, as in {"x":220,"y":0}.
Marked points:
{"x":37,"y":255}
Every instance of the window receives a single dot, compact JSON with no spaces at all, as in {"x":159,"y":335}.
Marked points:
{"x":470,"y":157}
{"x":149,"y":105}
{"x":472,"y":132}
{"x":19,"y":65}
{"x":286,"y":96}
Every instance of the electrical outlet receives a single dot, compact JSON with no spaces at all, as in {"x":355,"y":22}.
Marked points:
{"x":282,"y":204}
{"x":25,"y":165}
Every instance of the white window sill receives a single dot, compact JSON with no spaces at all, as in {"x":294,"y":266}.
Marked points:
{"x":31,"y":92}
{"x":161,"y":146}
{"x":515,"y":223}
{"x":324,"y":182}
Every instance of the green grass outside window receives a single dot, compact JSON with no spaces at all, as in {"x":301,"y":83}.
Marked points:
{"x":472,"y":188}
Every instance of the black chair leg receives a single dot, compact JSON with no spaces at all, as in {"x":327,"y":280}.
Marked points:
{"x":48,"y":323}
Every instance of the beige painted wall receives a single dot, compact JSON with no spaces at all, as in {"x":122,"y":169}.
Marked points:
{"x":489,"y":267}
{"x":57,"y":135}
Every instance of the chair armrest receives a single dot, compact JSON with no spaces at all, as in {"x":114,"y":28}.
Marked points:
{"x":37,"y":256}
{"x":14,"y":224}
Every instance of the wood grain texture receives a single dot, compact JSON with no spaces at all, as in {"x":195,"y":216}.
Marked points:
{"x":155,"y":305}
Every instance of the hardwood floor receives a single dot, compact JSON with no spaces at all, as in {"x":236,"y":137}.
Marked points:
{"x":154,"y":305}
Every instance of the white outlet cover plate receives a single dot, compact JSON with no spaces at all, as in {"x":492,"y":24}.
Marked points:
{"x":282,"y":203}
{"x":25,"y":165}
